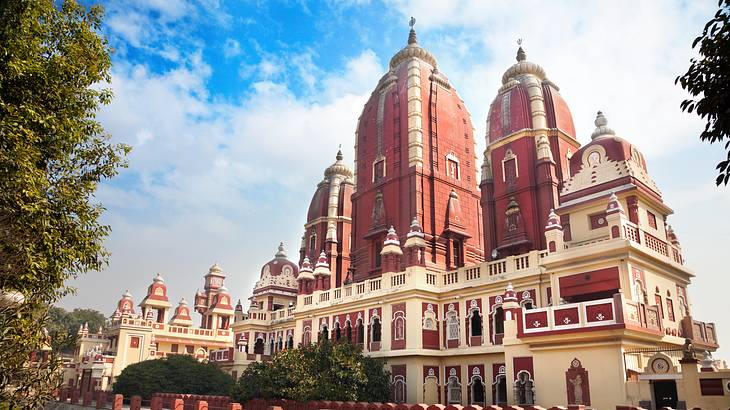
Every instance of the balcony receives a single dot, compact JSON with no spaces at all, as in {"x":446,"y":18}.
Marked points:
{"x":164,"y":329}
{"x":602,"y":314}
{"x":487,"y":272}
{"x":701,"y":333}
{"x":265,"y":317}
{"x":646,"y":240}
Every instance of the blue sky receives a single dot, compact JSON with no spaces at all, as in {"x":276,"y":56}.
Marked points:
{"x":235,"y":108}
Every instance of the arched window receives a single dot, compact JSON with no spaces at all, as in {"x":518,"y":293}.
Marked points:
{"x":348,"y":331}
{"x":324,"y":334}
{"x":477,"y":390}
{"x":271,"y":346}
{"x":258,"y":347}
{"x":500,"y":390}
{"x":452,"y":326}
{"x":475,"y":324}
{"x":338,"y":331}
{"x":280,"y":344}
{"x":527,"y":304}
{"x":524,"y":392}
{"x":307,"y":336}
{"x":400,"y":328}
{"x":375,"y":337}
{"x":399,"y":389}
{"x":290,"y":341}
{"x":360,"y":332}
{"x":453,"y":391}
{"x":499,"y":321}
{"x":378,"y":247}
{"x":313,"y":245}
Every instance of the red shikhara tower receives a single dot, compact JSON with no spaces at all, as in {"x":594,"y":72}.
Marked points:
{"x":530,"y":140}
{"x":415,"y":160}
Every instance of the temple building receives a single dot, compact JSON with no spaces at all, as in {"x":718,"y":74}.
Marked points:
{"x":155,"y":330}
{"x":548,"y":274}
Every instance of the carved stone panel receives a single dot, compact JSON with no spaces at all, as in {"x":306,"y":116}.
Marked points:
{"x":576,"y":384}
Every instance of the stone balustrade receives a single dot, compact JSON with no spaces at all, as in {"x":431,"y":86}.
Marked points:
{"x":616,"y":312}
{"x":487,"y":272}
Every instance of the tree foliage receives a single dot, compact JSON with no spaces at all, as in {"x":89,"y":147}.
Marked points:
{"x":708,"y":81}
{"x":53,"y":154}
{"x":322,"y":371}
{"x":63,"y":326}
{"x":172,"y":374}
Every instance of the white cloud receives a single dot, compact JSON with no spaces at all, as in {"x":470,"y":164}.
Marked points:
{"x":209,"y":177}
{"x":231,"y":48}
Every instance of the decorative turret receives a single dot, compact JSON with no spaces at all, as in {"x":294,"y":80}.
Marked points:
{"x":672,"y":236}
{"x":391,"y":252}
{"x":554,"y":233}
{"x":614,"y":205}
{"x":125,"y":306}
{"x":305,"y":278}
{"x":238,"y":312}
{"x":156,"y":304}
{"x":415,"y":245}
{"x":182,"y":314}
{"x":615,"y":216}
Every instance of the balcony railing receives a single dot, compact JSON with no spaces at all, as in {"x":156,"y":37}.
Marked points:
{"x":173,"y":329}
{"x":607,"y":313}
{"x":635,"y":234}
{"x":466,"y":276}
{"x":699,"y":332}
{"x":594,"y":313}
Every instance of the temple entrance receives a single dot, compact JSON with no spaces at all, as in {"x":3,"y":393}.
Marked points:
{"x":665,"y":393}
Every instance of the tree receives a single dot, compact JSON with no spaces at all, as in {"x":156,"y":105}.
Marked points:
{"x":53,"y":154}
{"x":172,"y":374}
{"x":322,"y":371}
{"x":708,"y":81}
{"x":63,"y":326}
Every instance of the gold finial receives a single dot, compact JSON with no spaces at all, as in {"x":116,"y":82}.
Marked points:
{"x":412,"y":34}
{"x":521,"y":55}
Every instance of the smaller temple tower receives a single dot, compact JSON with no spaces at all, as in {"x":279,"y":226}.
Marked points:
{"x":214,"y":303}
{"x":328,"y":225}
{"x":156,"y":304}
